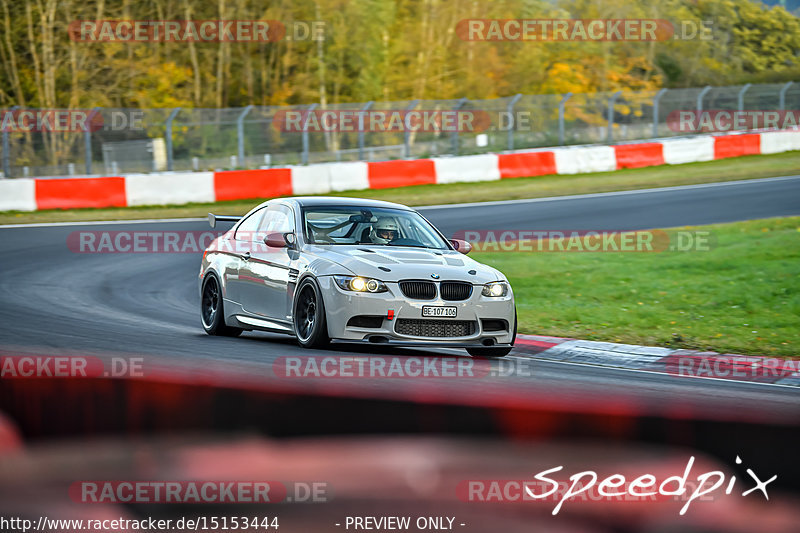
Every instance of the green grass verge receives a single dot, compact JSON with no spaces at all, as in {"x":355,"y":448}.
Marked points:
{"x":749,"y":167}
{"x":741,"y":296}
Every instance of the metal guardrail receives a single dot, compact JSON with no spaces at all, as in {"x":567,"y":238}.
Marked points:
{"x":251,"y":137}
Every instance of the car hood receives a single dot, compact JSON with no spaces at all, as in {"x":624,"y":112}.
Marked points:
{"x":404,"y":263}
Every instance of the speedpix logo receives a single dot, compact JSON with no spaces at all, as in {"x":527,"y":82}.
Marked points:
{"x":588,"y":485}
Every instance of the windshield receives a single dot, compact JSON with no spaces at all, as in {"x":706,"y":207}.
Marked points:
{"x":373,"y":226}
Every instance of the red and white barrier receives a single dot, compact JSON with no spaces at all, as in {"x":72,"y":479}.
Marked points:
{"x":157,"y":189}
{"x":689,"y":150}
{"x":639,"y":155}
{"x":401,"y":173}
{"x":523,"y":164}
{"x":468,"y":168}
{"x":773,"y":142}
{"x":737,"y":145}
{"x":175,"y":188}
{"x":260,"y":183}
{"x":18,"y":195}
{"x":328,"y":177}
{"x":582,"y":159}
{"x":68,"y":193}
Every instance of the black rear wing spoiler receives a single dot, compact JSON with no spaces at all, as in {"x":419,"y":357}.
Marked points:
{"x":213,"y":219}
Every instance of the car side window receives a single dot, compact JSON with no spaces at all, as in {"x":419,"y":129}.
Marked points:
{"x":279,"y":219}
{"x":247,"y":229}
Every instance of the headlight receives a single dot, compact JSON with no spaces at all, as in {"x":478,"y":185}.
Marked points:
{"x":495,"y":289}
{"x":359,"y":284}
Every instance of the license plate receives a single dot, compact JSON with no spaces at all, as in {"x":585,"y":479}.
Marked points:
{"x":440,"y":311}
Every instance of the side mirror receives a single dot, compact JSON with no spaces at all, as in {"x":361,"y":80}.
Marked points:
{"x":280,"y":240}
{"x":461,"y":246}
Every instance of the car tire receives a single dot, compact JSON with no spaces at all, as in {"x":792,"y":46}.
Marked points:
{"x":309,"y":317}
{"x":212,"y":311}
{"x":496,"y":352}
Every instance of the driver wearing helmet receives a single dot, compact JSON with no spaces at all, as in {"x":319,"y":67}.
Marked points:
{"x":384,"y":231}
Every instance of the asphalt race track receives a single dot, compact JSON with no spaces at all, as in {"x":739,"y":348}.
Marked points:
{"x":630,"y":210}
{"x":57,"y":302}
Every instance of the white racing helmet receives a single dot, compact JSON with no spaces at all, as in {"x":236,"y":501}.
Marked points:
{"x":384,"y":230}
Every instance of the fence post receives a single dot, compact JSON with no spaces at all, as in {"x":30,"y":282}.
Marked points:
{"x":361,"y":129}
{"x":240,"y":133}
{"x":6,"y":161}
{"x":304,"y":158}
{"x":656,"y":101}
{"x":740,"y":97}
{"x":700,"y":103}
{"x":407,"y":134}
{"x":7,"y":150}
{"x":6,"y":173}
{"x":562,"y":105}
{"x":510,"y":110}
{"x":454,"y":136}
{"x":87,"y":140}
{"x":610,"y":133}
{"x":782,"y":96}
{"x":171,"y":117}
{"x":700,"y":99}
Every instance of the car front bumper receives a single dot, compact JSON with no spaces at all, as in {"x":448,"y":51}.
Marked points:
{"x":341,"y":306}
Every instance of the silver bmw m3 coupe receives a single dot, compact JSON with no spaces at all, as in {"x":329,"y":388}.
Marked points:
{"x":343,"y":269}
